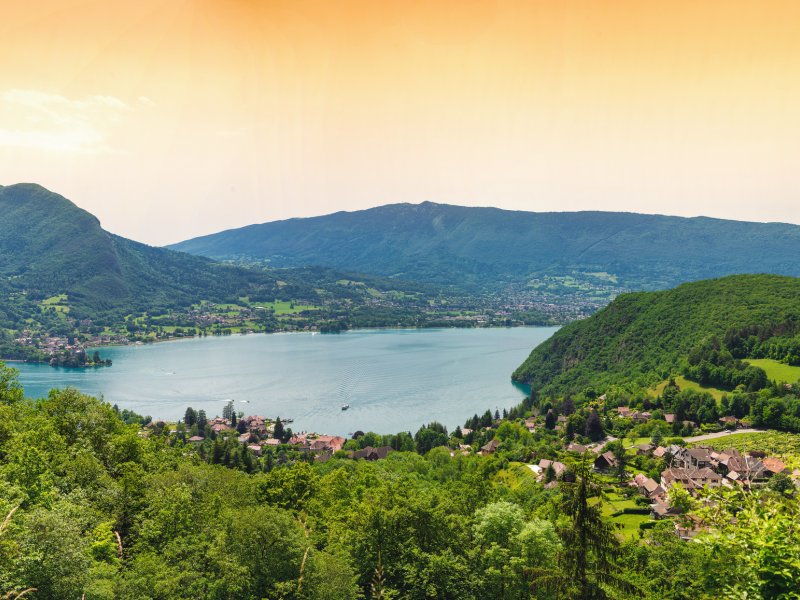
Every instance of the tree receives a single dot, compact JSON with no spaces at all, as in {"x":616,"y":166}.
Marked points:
{"x":190,"y":417}
{"x":277,"y":430}
{"x":550,"y":420}
{"x":227,"y":412}
{"x":782,"y":483}
{"x":657,"y":437}
{"x":588,"y":546}
{"x":10,"y":388}
{"x":241,"y":426}
{"x":594,"y":427}
{"x":429,"y":437}
{"x":618,"y":450}
{"x":202,"y":421}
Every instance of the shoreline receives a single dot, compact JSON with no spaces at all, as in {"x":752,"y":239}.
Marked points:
{"x":308,"y":332}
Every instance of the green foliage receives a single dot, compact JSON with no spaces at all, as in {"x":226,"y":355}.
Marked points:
{"x":96,"y":509}
{"x":763,"y":545}
{"x":643,"y":338}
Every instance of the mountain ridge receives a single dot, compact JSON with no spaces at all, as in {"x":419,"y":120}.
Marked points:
{"x":431,"y":241}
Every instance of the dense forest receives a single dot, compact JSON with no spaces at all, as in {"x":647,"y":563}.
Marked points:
{"x":97,"y":507}
{"x":643,"y":338}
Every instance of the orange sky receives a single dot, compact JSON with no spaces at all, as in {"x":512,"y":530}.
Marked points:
{"x":174,"y":118}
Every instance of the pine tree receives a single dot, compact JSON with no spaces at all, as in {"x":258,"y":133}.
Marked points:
{"x":594,"y":427}
{"x":550,"y":420}
{"x":202,"y":421}
{"x":277,"y":431}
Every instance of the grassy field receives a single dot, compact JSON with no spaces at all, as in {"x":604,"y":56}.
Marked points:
{"x":627,"y":525}
{"x":777,"y":371}
{"x":288,"y":308}
{"x":57,"y":303}
{"x":685,"y":384}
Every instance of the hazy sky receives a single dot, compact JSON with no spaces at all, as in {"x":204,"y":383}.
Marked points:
{"x":174,"y":118}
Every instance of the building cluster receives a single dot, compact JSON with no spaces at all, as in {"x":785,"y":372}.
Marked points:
{"x":51,"y":344}
{"x":696,"y":468}
{"x":257,"y":433}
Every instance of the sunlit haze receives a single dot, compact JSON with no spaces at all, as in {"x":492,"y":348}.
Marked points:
{"x":173,"y":119}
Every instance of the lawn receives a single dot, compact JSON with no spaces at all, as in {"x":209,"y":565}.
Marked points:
{"x":777,"y":371}
{"x":626,"y":525}
{"x":686,"y":384}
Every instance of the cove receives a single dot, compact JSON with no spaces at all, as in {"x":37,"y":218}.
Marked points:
{"x":393,"y":380}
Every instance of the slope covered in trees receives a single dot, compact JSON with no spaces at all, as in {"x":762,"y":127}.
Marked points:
{"x":486,"y":246}
{"x":94,"y":507}
{"x":703,"y":328}
{"x":49,"y":246}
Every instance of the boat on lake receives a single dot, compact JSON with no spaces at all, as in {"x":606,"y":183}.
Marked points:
{"x":345,"y":406}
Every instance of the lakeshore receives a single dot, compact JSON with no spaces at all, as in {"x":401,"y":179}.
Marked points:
{"x":393,"y":379}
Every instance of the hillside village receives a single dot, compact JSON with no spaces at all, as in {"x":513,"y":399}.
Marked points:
{"x":650,"y":481}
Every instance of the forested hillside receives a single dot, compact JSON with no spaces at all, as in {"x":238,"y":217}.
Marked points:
{"x":94,"y":508}
{"x":642,"y":338}
{"x":488,"y":246}
{"x":49,"y":246}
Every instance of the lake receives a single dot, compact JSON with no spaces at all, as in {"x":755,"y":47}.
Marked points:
{"x":393,"y":380}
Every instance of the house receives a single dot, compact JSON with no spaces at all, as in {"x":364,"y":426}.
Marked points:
{"x":197,"y":439}
{"x":690,"y":479}
{"x":747,"y":470}
{"x":605,"y":462}
{"x":491,"y":447}
{"x":692,"y":458}
{"x":729,"y":421}
{"x":271,"y":442}
{"x":255,"y":448}
{"x":659,"y":452}
{"x":370,"y":453}
{"x":774,"y":465}
{"x":661,"y":509}
{"x":624,"y":411}
{"x":578,"y":448}
{"x":559,"y":468}
{"x":255,"y":424}
{"x":647,"y":486}
{"x":688,"y":527}
{"x":220,"y":427}
{"x":333,"y":443}
{"x":669,"y":418}
{"x":643,"y":449}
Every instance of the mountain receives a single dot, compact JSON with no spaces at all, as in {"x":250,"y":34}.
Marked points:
{"x":489,"y":246}
{"x":49,"y":247}
{"x":645,"y":337}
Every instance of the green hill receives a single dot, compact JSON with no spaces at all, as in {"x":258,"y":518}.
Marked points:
{"x":49,"y":246}
{"x":645,"y":337}
{"x":488,"y":246}
{"x":55,"y":255}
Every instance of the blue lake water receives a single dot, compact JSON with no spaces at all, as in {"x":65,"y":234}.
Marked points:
{"x":393,"y":380}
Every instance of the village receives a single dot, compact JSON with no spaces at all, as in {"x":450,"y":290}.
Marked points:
{"x":685,"y":471}
{"x":650,"y":480}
